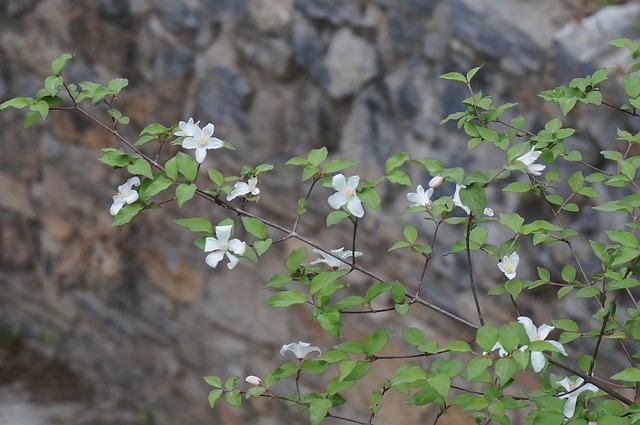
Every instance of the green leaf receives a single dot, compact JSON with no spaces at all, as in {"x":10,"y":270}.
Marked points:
{"x":324,"y":278}
{"x":254,"y":226}
{"x":214,"y":381}
{"x":487,"y":336}
{"x":196,"y":224}
{"x":184,"y":192}
{"x":377,"y":289}
{"x":474,"y":198}
{"x":58,"y":63}
{"x":353,"y":347}
{"x":171,"y":168}
{"x":456,"y":76}
{"x":17,"y":103}
{"x":140,"y":167}
{"x":262,"y":246}
{"x":459,"y":346}
{"x":318,"y":410}
{"x":630,"y":374}
{"x":631,"y":85}
{"x":215,"y":176}
{"x":396,"y":161}
{"x":295,"y":259}
{"x":41,"y":107}
{"x":316,"y":156}
{"x":370,"y":197}
{"x":476,"y":367}
{"x":214,"y":395}
{"x":568,"y":273}
{"x":376,"y":341}
{"x":335,"y":217}
{"x":127,"y":213}
{"x":414,"y":336}
{"x":187,"y":166}
{"x":286,"y":298}
{"x":30,"y":118}
{"x":629,"y":282}
{"x":338,"y":164}
{"x":399,"y":177}
{"x":158,"y":185}
{"x":234,"y":398}
{"x":472,"y":72}
{"x":117,"y":84}
{"x":441,"y":383}
{"x":410,"y":233}
{"x":512,"y":220}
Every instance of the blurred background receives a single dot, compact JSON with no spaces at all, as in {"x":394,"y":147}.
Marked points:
{"x":117,"y":325}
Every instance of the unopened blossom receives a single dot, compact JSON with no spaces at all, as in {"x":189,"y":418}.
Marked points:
{"x":574,"y":388}
{"x":420,"y":198}
{"x":436,"y":182}
{"x":299,"y":349}
{"x":126,"y":195}
{"x":346,"y":193}
{"x":242,"y":189}
{"x":458,"y":203}
{"x":253,"y":380}
{"x":509,"y":265}
{"x":187,"y":129}
{"x":200,"y":139}
{"x":538,"y":334}
{"x":221,"y":246}
{"x":529,"y":160}
{"x":333,"y":262}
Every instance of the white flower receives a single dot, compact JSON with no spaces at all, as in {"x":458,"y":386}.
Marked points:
{"x":253,"y":380}
{"x":200,"y":139}
{"x":333,"y":262}
{"x":529,"y":160}
{"x":299,"y":349}
{"x":458,"y":203}
{"x":242,"y":188}
{"x":538,"y":334}
{"x":574,"y":388}
{"x":436,"y":181}
{"x":420,"y":198}
{"x":501,"y":351}
{"x":509,"y":265}
{"x":221,"y":246}
{"x":346,"y":194}
{"x":126,"y":195}
{"x":187,"y":129}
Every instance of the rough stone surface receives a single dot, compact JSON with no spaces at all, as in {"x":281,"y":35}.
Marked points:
{"x":133,"y":310}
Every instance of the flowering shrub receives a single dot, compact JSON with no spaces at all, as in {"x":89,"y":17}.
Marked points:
{"x":480,"y":378}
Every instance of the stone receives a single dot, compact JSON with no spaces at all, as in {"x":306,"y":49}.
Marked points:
{"x":222,"y":96}
{"x":271,"y":17}
{"x":272,"y":55}
{"x":351,"y":61}
{"x":582,"y":46}
{"x":356,"y":13}
{"x":309,"y":47}
{"x":488,"y":26}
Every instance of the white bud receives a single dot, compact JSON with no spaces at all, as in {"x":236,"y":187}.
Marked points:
{"x":436,"y":182}
{"x":253,"y":380}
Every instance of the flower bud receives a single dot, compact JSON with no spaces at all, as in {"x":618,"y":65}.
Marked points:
{"x":436,"y":182}
{"x":253,"y":380}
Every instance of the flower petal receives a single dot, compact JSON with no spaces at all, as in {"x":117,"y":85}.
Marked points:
{"x":223,"y":233}
{"x":569,"y":407}
{"x":543,"y":331}
{"x":201,"y":154}
{"x":529,"y":327}
{"x":355,"y":206}
{"x":211,"y":244}
{"x":117,"y":205}
{"x":214,"y":258}
{"x":339,"y":182}
{"x":537,"y":361}
{"x":337,"y":200}
{"x":237,"y":246}
{"x":233,"y":260}
{"x":558,"y":346}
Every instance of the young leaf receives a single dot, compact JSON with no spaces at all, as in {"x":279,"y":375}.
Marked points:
{"x":254,"y":226}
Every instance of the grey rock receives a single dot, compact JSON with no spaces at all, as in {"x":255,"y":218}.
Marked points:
{"x":179,"y":14}
{"x":174,"y":61}
{"x":350,"y":62}
{"x":309,"y":47}
{"x":223,"y":95}
{"x":223,"y":10}
{"x":582,"y":47}
{"x":488,"y":26}
{"x":272,"y":55}
{"x":114,"y":8}
{"x":335,"y":11}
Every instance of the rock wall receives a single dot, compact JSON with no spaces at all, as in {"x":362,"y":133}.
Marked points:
{"x":133,"y":310}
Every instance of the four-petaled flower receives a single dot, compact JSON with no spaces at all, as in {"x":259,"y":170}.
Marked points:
{"x":242,"y":189}
{"x":200,"y":139}
{"x":333,"y":262}
{"x":299,"y":349}
{"x":223,"y":246}
{"x":529,"y":160}
{"x":346,"y":194}
{"x":509,"y":265}
{"x":538,"y":334}
{"x":574,"y":388}
{"x":420,"y":198}
{"x":458,"y":203}
{"x":253,"y":380}
{"x":126,"y":195}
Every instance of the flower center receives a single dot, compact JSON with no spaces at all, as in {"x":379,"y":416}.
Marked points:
{"x":202,"y":140}
{"x":224,"y":246}
{"x":348,"y":192}
{"x":509,"y":267}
